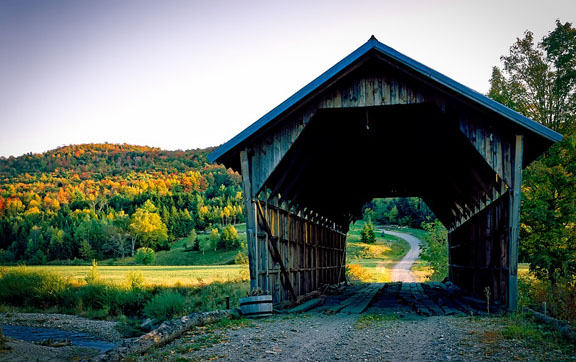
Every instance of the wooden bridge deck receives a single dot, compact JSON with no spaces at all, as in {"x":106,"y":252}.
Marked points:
{"x":426,"y":299}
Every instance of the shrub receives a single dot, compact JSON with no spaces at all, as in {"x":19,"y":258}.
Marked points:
{"x":93,"y":274}
{"x":135,"y":279}
{"x":241,"y":258}
{"x":128,"y":302}
{"x":95,"y":296}
{"x":21,"y":287}
{"x":145,"y":256}
{"x":560,"y":298}
{"x":374,"y":251}
{"x":357,"y":272}
{"x":193,"y":239}
{"x":368,"y":235}
{"x":229,"y":239}
{"x":165,"y":305}
{"x":214,"y":238}
{"x":434,"y":249}
{"x":39,"y":258}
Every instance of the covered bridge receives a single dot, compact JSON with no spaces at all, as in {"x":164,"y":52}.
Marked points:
{"x":380,"y":124}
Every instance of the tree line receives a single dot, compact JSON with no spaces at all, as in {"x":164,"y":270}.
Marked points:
{"x":106,"y":200}
{"x":402,"y":211}
{"x":538,"y":79}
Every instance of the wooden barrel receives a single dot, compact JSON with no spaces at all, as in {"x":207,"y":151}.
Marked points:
{"x":256,"y":306}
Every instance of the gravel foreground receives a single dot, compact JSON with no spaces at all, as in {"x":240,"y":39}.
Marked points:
{"x":310,"y":337}
{"x":318,"y":337}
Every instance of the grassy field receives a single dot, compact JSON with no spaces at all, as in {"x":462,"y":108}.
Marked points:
{"x":180,"y":253}
{"x":154,"y":275}
{"x":376,"y":259}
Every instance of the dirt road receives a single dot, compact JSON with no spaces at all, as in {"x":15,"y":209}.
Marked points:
{"x":367,"y":337}
{"x":401,"y":271}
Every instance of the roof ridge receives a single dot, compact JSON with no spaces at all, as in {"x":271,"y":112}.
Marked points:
{"x":389,"y":52}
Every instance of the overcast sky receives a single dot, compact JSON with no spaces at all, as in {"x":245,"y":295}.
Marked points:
{"x":187,"y":74}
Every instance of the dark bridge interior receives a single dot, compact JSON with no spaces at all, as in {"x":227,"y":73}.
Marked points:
{"x":380,"y":124}
{"x":346,"y":157}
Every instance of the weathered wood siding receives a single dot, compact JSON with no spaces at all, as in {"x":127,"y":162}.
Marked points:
{"x":267,"y":151}
{"x":313,"y":254}
{"x":479,"y":251}
{"x":312,"y":249}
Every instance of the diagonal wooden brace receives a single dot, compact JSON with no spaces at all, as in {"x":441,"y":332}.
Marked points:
{"x":276,"y":253}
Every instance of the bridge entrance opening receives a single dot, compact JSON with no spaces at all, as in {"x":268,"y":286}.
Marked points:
{"x":379,"y":124}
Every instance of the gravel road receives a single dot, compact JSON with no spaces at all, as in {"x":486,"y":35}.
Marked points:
{"x":401,"y":271}
{"x":318,"y":337}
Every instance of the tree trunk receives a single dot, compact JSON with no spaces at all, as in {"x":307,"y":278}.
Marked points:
{"x":167,"y":332}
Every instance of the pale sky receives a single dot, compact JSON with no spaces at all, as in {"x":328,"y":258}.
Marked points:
{"x":187,"y":74}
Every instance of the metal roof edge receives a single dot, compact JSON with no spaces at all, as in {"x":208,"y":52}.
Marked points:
{"x":470,"y":93}
{"x":372,"y":43}
{"x":292,"y":100}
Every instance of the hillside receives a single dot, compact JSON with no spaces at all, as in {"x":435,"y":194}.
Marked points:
{"x":104,"y":160}
{"x":105,"y":200}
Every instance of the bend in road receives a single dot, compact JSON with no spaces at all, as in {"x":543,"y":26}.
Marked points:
{"x":401,"y":271}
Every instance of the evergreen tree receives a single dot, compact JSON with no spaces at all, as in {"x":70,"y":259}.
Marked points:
{"x":368,"y":235}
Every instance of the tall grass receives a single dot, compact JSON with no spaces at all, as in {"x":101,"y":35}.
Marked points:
{"x":32,"y":290}
{"x":560,"y":298}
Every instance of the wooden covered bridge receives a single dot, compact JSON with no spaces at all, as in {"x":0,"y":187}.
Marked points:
{"x":380,"y":124}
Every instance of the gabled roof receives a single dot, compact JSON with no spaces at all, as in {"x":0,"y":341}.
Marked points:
{"x":434,"y":76}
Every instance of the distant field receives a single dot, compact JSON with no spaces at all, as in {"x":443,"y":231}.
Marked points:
{"x":153,"y":275}
{"x":385,"y":253}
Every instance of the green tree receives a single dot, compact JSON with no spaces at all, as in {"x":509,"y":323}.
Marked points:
{"x":193,"y":238}
{"x":85,"y":250}
{"x":434,"y":249}
{"x":145,"y":256}
{"x":229,"y":239}
{"x":539,"y":81}
{"x":214,"y":238}
{"x":147,"y":228}
{"x":368,"y":235}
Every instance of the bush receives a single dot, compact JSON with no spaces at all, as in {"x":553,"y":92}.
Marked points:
{"x":368,"y":235}
{"x":229,"y":239}
{"x":95,"y":296}
{"x":434,"y":249}
{"x":21,"y":287}
{"x":39,"y":258}
{"x":357,"y":272}
{"x":145,"y":256}
{"x":241,"y":258}
{"x":214,"y":238}
{"x":135,"y":280}
{"x":94,"y":274}
{"x":165,"y":305}
{"x":374,"y":251}
{"x":128,"y":302}
{"x":560,"y":298}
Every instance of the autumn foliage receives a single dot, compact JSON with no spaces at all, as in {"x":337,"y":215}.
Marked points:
{"x":107,"y":200}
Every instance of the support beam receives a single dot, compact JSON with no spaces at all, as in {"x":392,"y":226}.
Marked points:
{"x":251,"y":231}
{"x":514,"y":225}
{"x":273,"y":240}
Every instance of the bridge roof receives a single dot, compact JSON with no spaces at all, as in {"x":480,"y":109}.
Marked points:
{"x":373,"y":45}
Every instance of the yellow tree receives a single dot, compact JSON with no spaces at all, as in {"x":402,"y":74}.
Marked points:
{"x":146,"y":227}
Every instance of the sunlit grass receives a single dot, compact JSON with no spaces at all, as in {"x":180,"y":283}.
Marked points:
{"x":378,"y":259}
{"x":166,"y":276}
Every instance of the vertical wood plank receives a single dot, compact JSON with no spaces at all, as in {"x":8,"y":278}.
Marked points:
{"x":514,"y":225}
{"x":251,"y":227}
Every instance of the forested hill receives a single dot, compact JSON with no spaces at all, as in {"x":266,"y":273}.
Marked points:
{"x":103,"y":160}
{"x":103,"y":200}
